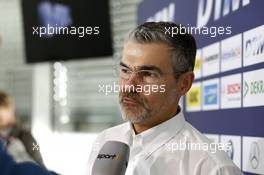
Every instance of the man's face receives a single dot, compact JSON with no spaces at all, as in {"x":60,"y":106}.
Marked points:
{"x":7,"y":116}
{"x":144,"y":105}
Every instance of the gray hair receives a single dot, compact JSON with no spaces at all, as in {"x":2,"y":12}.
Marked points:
{"x":183,"y":45}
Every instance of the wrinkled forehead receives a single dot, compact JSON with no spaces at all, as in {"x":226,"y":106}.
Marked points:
{"x":143,"y":54}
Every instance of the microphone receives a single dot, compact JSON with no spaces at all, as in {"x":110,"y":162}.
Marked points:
{"x":112,"y":159}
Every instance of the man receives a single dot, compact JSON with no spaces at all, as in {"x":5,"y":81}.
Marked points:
{"x":19,"y":142}
{"x":156,"y":126}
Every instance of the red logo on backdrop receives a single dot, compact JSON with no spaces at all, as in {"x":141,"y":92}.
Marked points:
{"x":233,"y":88}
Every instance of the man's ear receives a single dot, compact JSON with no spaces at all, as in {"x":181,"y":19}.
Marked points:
{"x":185,"y":82}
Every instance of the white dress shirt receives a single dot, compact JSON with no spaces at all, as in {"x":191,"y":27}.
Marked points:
{"x":157,"y":150}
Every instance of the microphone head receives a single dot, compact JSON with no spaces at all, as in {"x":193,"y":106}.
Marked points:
{"x":112,"y":159}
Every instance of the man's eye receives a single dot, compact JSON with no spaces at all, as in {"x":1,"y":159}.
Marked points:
{"x":148,"y":74}
{"x":124,"y":71}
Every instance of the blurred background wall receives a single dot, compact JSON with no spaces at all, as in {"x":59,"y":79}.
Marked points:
{"x":60,"y":101}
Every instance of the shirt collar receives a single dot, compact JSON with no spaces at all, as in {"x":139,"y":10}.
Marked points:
{"x":157,"y":136}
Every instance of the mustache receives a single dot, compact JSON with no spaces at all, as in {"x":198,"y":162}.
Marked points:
{"x":132,"y":95}
{"x":136,"y":97}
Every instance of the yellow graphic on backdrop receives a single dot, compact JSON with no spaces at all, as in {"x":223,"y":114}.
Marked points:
{"x":194,"y":97}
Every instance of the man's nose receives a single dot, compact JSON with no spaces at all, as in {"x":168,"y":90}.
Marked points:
{"x":132,"y":81}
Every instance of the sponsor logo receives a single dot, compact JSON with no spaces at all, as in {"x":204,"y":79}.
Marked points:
{"x":233,"y":147}
{"x":109,"y":156}
{"x":193,"y":98}
{"x":231,"y":53}
{"x":231,"y":91}
{"x":228,"y":54}
{"x":254,"y":46}
{"x":211,"y":58}
{"x":254,"y":155}
{"x":233,"y":88}
{"x":206,"y":7}
{"x":210,"y":94}
{"x":253,"y":88}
